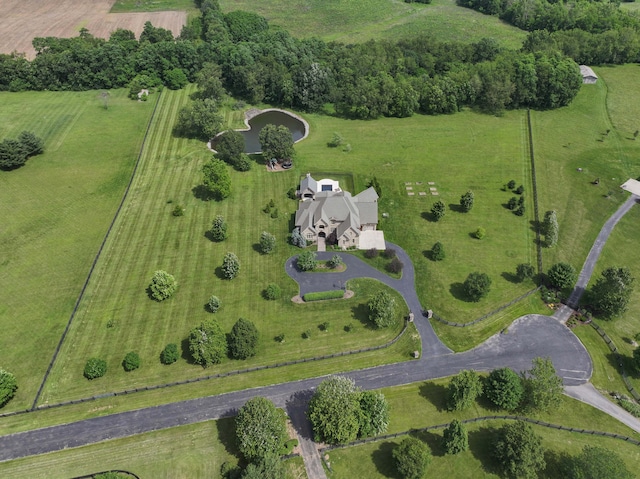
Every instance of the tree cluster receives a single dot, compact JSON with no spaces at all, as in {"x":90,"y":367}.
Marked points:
{"x":276,"y":142}
{"x":339,"y":412}
{"x":259,"y":64}
{"x":612,"y":291}
{"x":550,"y":229}
{"x":15,"y":152}
{"x":382,"y":310}
{"x":8,"y":386}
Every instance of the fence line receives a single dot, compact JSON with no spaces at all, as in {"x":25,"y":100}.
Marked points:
{"x":479,"y":419}
{"x":491,"y":313}
{"x":616,"y":354}
{"x":211,"y":376}
{"x":117,"y":471}
{"x":534,"y":182}
{"x":97,"y":256}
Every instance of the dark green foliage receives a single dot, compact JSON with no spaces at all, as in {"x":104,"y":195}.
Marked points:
{"x":162,"y":286}
{"x":111,"y":475}
{"x":207,"y":343}
{"x":512,"y":203}
{"x":519,"y":190}
{"x":389,"y":253}
{"x":199,"y":119}
{"x":335,"y":261}
{"x":321,"y":295}
{"x":412,"y":457}
{"x":418,"y":1}
{"x":178,"y":210}
{"x":31,"y":144}
{"x":230,"y":145}
{"x":612,"y":291}
{"x":276,"y":142}
{"x":131,"y":361}
{"x":543,"y":388}
{"x":260,"y":428}
{"x":95,"y":368}
{"x":438,"y":210}
{"x":371,"y":253}
{"x":210,"y":83}
{"x":512,"y":184}
{"x":307,"y":261}
{"x":376,"y":186}
{"x":550,"y":229}
{"x":374,"y":414}
{"x":230,"y":266}
{"x":8,"y":386}
{"x":268,"y":467}
{"x":216,"y":179}
{"x":477,"y":286}
{"x":153,"y":34}
{"x":244,"y":25}
{"x":291,"y":194}
{"x":466,"y":201}
{"x":334,"y":411}
{"x":480,"y":233}
{"x":243,"y":163}
{"x":597,"y":462}
{"x":520,"y":210}
{"x":12,"y":155}
{"x":562,"y":275}
{"x":336,"y":141}
{"x":382,"y":310}
{"x":214,"y":304}
{"x":395,"y":266}
{"x":437,"y":252}
{"x":169,"y":354}
{"x":230,"y":470}
{"x":175,"y":79}
{"x":272,"y":292}
{"x":463,"y":390}
{"x":267,"y":242}
{"x":504,"y":388}
{"x":455,"y":438}
{"x":324,"y":326}
{"x":636,"y":357}
{"x":243,"y":339}
{"x":524,"y":271}
{"x":219,"y":229}
{"x":519,"y":451}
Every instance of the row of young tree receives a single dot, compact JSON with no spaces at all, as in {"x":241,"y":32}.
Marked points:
{"x":245,"y":57}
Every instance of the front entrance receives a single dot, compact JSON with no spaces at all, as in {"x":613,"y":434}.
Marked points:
{"x":321,"y":242}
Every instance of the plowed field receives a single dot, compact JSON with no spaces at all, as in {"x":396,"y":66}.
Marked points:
{"x":23,"y":20}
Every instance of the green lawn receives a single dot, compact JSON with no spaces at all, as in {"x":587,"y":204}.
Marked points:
{"x":358,"y":21}
{"x":125,"y":6}
{"x":57,"y":209}
{"x":196,"y":450}
{"x":421,"y":405}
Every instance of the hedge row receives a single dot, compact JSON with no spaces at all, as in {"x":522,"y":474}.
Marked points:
{"x":333,"y":294}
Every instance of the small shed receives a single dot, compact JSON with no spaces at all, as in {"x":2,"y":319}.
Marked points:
{"x":588,"y":75}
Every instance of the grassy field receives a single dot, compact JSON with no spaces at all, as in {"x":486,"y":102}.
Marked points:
{"x":196,"y":450}
{"x":421,"y":405}
{"x":116,"y":315}
{"x":56,"y":212}
{"x":126,"y":6}
{"x":357,"y":21}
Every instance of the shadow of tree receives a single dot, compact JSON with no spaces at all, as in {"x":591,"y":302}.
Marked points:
{"x":360,"y":312}
{"x":557,"y":465}
{"x":481,"y":446}
{"x":512,"y":278}
{"x":433,"y":440}
{"x":427,"y":215}
{"x":383,"y":460}
{"x":428,"y":254}
{"x":456,"y":208}
{"x":186,"y":353}
{"x":227,"y":434}
{"x":219,"y":272}
{"x":436,"y":394}
{"x":458,"y":292}
{"x":201,"y":192}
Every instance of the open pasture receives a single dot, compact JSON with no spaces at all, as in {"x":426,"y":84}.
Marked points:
{"x":351,"y":21}
{"x":56,"y":211}
{"x":23,"y":20}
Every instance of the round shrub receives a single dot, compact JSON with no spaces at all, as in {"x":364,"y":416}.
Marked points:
{"x":395,"y":266}
{"x":272,"y":292}
{"x":214,"y":304}
{"x":389,"y":253}
{"x":243,"y":339}
{"x":371,"y":253}
{"x":8,"y":386}
{"x":480,"y":233}
{"x":95,"y":368}
{"x":162,"y":286}
{"x":169,"y":354}
{"x":131,"y":361}
{"x":504,"y":388}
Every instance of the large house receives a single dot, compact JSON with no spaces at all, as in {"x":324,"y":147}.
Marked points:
{"x":328,"y":213}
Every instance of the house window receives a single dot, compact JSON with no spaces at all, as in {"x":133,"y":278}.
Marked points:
{"x":309,"y":236}
{"x":321,"y":227}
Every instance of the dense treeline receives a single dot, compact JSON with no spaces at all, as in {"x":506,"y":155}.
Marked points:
{"x":593,"y":32}
{"x":242,"y":55}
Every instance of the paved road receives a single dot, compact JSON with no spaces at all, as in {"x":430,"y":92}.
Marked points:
{"x":356,"y":268}
{"x":596,"y":249}
{"x":528,"y":337}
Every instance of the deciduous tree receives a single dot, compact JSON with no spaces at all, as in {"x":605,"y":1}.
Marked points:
{"x":543,"y":387}
{"x":219,"y":229}
{"x":306,"y":261}
{"x":207,"y":343}
{"x":477,"y":286}
{"x":131,"y":361}
{"x":276,"y":142}
{"x":597,"y":462}
{"x":267,"y":242}
{"x":216,"y":178}
{"x":95,"y":368}
{"x":214,"y":304}
{"x":169,"y":354}
{"x":382,"y":309}
{"x":230,"y":145}
{"x":260,"y":428}
{"x":463,"y":390}
{"x":612,"y":291}
{"x":412,"y":457}
{"x":162,"y":286}
{"x":8,"y":386}
{"x":504,"y":388}
{"x":334,"y":411}
{"x":230,"y":266}
{"x":199,"y":119}
{"x":524,"y":271}
{"x":550,"y":229}
{"x":455,"y":438}
{"x":519,"y":451}
{"x":562,"y":275}
{"x":374,"y":414}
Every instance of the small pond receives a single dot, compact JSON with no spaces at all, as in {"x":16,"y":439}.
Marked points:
{"x":296,"y":126}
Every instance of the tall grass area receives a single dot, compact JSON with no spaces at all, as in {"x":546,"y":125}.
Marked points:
{"x":117,"y":316}
{"x":126,"y":6}
{"x":421,"y":405}
{"x":196,"y":450}
{"x":351,"y":21}
{"x":56,"y":210}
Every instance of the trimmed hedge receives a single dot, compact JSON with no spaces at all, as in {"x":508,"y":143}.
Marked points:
{"x":319,"y":296}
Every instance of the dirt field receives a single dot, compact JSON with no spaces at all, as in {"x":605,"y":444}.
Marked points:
{"x":23,"y":20}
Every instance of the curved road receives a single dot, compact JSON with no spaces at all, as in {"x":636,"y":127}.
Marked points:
{"x":528,"y":337}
